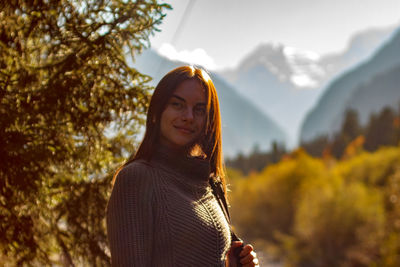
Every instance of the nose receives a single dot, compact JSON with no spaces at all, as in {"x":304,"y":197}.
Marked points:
{"x":188,"y":114}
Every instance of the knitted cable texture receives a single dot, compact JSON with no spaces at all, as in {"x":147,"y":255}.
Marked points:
{"x":163,"y":213}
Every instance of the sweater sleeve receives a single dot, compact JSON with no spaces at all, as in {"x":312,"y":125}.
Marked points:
{"x":130,"y":217}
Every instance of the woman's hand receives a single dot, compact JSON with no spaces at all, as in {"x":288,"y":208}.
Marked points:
{"x":248,"y":257}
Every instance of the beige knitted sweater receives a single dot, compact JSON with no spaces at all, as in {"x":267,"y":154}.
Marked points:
{"x":163,"y":213}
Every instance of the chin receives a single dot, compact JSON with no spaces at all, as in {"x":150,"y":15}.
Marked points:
{"x":185,"y":142}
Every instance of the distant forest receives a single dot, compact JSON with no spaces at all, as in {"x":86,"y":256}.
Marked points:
{"x":382,"y":129}
{"x":315,"y":212}
{"x":334,"y":201}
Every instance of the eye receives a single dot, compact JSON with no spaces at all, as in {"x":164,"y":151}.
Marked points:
{"x":200,"y":111}
{"x":177,"y":105}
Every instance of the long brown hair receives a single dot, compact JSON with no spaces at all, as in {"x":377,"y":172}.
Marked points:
{"x":210,"y":143}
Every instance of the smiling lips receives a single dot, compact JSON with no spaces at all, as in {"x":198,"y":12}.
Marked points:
{"x":184,"y":130}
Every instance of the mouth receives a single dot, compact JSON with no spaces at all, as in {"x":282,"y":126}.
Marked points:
{"x":184,"y":130}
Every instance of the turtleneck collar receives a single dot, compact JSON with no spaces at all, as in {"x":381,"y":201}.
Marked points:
{"x":194,"y":169}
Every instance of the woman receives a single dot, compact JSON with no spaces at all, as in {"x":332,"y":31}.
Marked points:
{"x":162,"y":211}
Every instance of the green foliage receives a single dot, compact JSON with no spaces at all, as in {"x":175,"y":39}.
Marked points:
{"x":320,"y":212}
{"x":373,"y":169}
{"x":390,"y":250}
{"x":70,"y":107}
{"x":270,"y":197}
{"x":338,"y":223}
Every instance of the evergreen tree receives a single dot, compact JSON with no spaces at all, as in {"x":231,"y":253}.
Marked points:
{"x":69,"y":107}
{"x":350,"y":130}
{"x":317,"y":146}
{"x":381,"y":130}
{"x":351,"y":127}
{"x":257,"y":160}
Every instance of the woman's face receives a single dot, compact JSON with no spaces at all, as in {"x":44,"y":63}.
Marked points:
{"x":184,"y":117}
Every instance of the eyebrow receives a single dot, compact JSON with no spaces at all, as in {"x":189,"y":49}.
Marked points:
{"x":182,"y":99}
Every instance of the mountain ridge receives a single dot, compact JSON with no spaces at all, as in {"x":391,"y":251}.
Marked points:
{"x":326,"y":116}
{"x":270,"y":74}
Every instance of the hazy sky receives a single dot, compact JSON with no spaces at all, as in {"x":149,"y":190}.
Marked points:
{"x":224,"y":31}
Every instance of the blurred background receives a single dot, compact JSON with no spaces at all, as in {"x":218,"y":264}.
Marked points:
{"x":310,"y":103}
{"x":307,"y":89}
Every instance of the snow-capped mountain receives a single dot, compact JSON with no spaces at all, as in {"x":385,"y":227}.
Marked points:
{"x":270,"y":77}
{"x":286,"y":82}
{"x":288,"y":64}
{"x":366,"y":88}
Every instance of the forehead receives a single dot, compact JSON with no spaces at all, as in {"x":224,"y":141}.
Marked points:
{"x":191,"y":90}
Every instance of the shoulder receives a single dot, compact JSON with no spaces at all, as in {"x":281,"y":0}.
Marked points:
{"x":137,"y":174}
{"x":133,"y":187}
{"x":135,"y":168}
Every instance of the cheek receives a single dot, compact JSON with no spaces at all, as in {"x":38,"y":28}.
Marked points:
{"x":163,"y":123}
{"x":202,"y":126}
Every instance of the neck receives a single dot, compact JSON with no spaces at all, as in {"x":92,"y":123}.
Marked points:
{"x":181,"y":162}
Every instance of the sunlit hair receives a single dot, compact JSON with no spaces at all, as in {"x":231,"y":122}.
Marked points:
{"x":211,"y":141}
